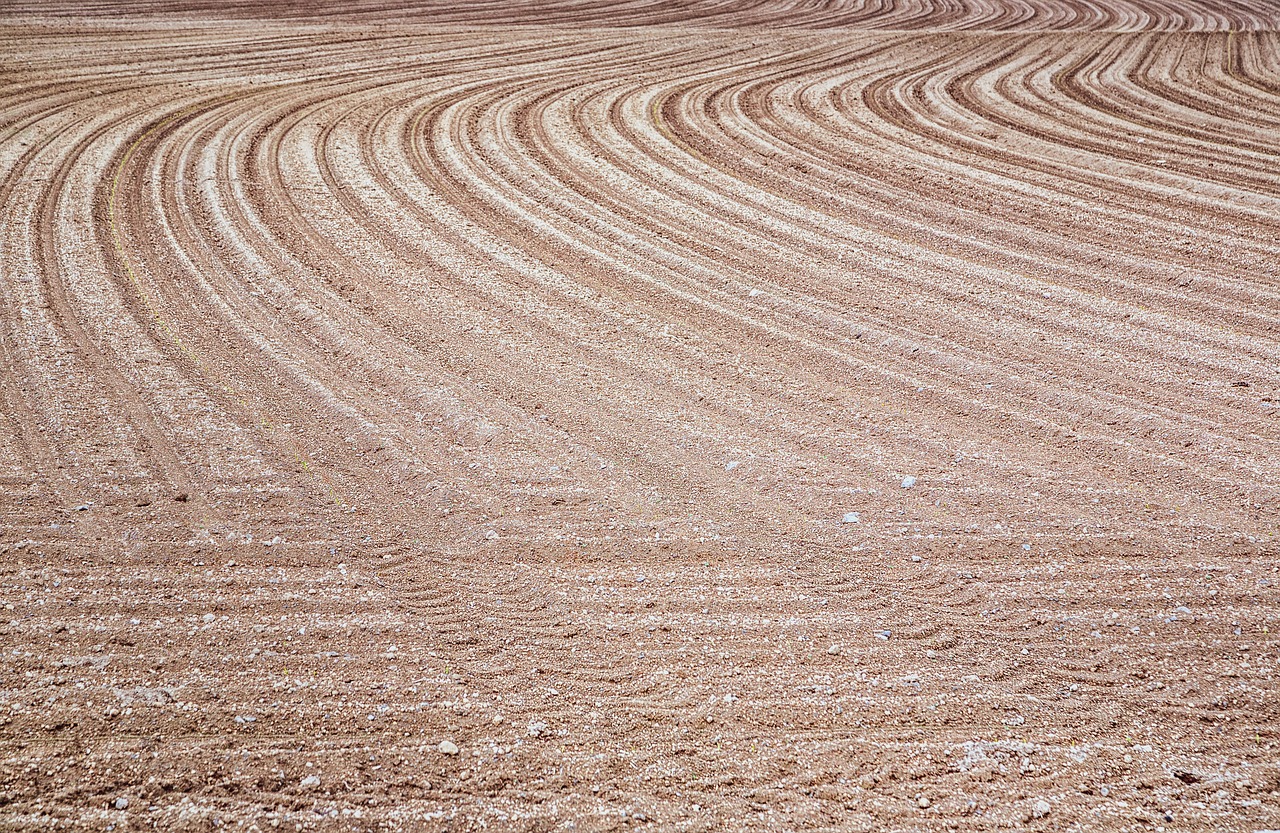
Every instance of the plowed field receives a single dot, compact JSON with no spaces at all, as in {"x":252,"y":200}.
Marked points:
{"x":640,"y":415}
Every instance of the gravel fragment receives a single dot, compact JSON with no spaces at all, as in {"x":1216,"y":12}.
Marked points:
{"x":448,"y":747}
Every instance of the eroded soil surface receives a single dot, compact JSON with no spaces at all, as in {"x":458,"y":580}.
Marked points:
{"x":563,"y":416}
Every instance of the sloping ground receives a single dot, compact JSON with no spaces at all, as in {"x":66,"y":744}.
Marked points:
{"x":392,"y":378}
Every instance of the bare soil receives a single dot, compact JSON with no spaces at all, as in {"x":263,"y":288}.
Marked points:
{"x":705,"y":416}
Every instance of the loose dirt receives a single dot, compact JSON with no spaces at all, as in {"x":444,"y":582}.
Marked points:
{"x":614,"y":416}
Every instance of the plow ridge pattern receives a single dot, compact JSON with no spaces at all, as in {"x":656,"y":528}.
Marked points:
{"x":757,"y":415}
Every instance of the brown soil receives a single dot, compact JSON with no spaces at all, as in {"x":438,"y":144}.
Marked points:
{"x":511,"y":376}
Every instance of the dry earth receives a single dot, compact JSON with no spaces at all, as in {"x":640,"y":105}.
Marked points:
{"x":503,"y":374}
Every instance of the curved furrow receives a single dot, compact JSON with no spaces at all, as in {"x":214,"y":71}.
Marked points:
{"x":162,"y":283}
{"x":836,"y":414}
{"x":641,"y":274}
{"x":61,"y":247}
{"x":1150,"y":294}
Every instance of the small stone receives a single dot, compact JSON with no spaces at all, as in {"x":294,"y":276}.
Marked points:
{"x":908,"y":482}
{"x":923,"y":801}
{"x":731,"y":465}
{"x":931,"y":654}
{"x":755,"y":292}
{"x":491,"y":535}
{"x":1040,"y":809}
{"x":310,"y":782}
{"x":182,"y":497}
{"x":122,"y":803}
{"x":209,"y":617}
{"x":84,"y":507}
{"x":851,"y":518}
{"x":915,"y":558}
{"x":536,"y":728}
{"x":448,"y":747}
{"x":834,"y":649}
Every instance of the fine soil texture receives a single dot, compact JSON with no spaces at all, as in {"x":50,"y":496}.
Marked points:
{"x":639,"y":415}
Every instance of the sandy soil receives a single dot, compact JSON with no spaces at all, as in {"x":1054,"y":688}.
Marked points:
{"x":561,"y":416}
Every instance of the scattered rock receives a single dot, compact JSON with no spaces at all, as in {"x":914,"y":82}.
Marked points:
{"x":122,"y":803}
{"x":834,"y":649}
{"x":908,"y":482}
{"x":754,"y":293}
{"x":182,"y":497}
{"x":916,"y":558}
{"x":731,"y":465}
{"x":143,"y":696}
{"x":923,"y":801}
{"x":448,"y":747}
{"x":491,"y":535}
{"x":1040,"y":809}
{"x":537,"y":728}
{"x":851,"y":518}
{"x":310,"y":782}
